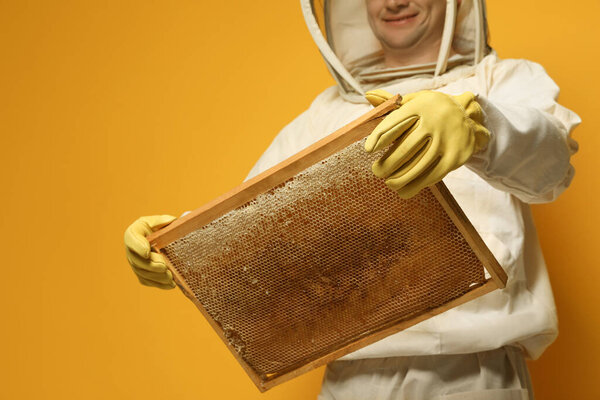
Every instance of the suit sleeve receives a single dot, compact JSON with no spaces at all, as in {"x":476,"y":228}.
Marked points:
{"x":530,"y":147}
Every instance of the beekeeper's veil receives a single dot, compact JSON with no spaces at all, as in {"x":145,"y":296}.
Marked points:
{"x":354,"y":56}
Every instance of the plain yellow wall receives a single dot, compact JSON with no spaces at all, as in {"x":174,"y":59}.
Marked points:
{"x":114,"y":109}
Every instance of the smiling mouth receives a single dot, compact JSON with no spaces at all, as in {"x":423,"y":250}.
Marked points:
{"x":400,"y":19}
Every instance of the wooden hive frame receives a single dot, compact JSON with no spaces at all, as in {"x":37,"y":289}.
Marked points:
{"x":283,"y":171}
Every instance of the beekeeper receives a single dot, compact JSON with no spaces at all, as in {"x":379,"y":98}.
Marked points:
{"x":492,"y":129}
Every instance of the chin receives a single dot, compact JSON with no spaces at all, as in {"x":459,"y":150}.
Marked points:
{"x":399,"y":44}
{"x":401,"y":39}
{"x":395,"y":37}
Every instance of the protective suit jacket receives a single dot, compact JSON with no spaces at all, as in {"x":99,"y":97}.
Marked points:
{"x":527,"y":161}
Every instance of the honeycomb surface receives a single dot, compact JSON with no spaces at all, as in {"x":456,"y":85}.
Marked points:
{"x":321,"y":260}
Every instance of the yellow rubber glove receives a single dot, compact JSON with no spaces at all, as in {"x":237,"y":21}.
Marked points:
{"x":149,"y":267}
{"x":432,"y":134}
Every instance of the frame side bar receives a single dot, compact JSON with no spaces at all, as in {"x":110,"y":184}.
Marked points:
{"x":274,"y":176}
{"x":181,"y":283}
{"x":465,"y":227}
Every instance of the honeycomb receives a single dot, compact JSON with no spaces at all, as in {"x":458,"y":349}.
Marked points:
{"x":322,"y":260}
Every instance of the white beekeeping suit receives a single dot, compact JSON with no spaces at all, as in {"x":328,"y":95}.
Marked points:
{"x":474,"y":351}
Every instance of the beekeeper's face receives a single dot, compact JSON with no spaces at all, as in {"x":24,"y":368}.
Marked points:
{"x":407,"y":24}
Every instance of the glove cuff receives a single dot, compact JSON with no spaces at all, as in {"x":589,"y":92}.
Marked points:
{"x":474,"y":113}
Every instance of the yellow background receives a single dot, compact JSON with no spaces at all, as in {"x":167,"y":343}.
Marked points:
{"x":114,"y":109}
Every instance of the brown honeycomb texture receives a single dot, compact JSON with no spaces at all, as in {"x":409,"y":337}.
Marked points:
{"x":322,"y":260}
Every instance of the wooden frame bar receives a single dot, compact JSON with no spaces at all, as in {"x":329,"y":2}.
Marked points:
{"x":280,"y":173}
